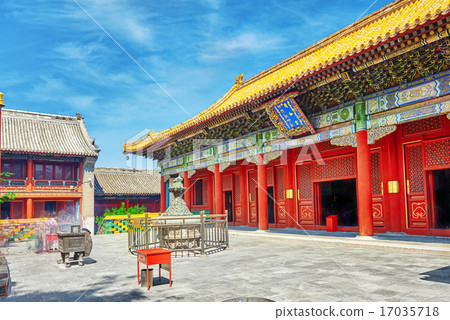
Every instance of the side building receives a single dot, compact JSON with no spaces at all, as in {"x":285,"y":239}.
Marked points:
{"x":114,"y":187}
{"x":356,"y":127}
{"x":51,"y":158}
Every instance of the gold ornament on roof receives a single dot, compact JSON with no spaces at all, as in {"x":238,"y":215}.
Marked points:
{"x":238,"y":80}
{"x":2,"y":104}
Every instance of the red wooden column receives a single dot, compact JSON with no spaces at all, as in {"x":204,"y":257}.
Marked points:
{"x":244,"y":194}
{"x":127,"y":204}
{"x":392,"y":173}
{"x":29,"y":186}
{"x":218,"y":196}
{"x":187,"y":193}
{"x":29,"y":208}
{"x":263,"y":215}
{"x":289,"y":185}
{"x":363,"y":188}
{"x":80,"y":176}
{"x":210,"y":191}
{"x":162,"y":201}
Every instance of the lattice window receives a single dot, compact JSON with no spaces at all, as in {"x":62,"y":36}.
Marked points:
{"x":237,"y":187}
{"x":421,"y":126}
{"x":270,"y":177}
{"x":309,"y":150}
{"x":205,"y":191}
{"x":375,"y":172}
{"x":343,"y":167}
{"x":415,"y":168}
{"x":227,"y":183}
{"x":252,"y":179}
{"x":326,"y":146}
{"x":437,"y":153}
{"x":280,"y":183}
{"x":304,"y":181}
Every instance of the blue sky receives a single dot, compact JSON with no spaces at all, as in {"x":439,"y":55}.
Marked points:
{"x":55,"y":59}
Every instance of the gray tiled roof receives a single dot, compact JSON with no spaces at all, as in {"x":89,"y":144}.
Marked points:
{"x":127,"y":181}
{"x":30,"y":132}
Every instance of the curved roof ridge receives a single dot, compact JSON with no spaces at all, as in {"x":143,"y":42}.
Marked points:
{"x":33,"y":114}
{"x":357,"y":25}
{"x":121,"y":181}
{"x":90,"y":141}
{"x":125,"y":170}
{"x":40,"y":133}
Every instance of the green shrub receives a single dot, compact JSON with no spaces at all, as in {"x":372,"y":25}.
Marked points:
{"x":119,"y":211}
{"x":8,"y":196}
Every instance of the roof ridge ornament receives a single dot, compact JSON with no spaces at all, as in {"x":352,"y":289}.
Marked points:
{"x":238,"y":81}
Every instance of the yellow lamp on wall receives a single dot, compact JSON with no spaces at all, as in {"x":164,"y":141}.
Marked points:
{"x":393,"y":186}
{"x":289,"y":194}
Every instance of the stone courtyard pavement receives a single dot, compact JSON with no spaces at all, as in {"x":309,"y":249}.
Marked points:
{"x":274,"y":268}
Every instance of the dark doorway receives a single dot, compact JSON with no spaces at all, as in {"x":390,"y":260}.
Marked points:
{"x":50,"y":208}
{"x":270,"y":205}
{"x":6,"y":210}
{"x":229,"y":205}
{"x":339,"y":198}
{"x":441,"y":192}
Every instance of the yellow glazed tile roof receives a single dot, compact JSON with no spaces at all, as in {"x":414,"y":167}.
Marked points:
{"x":378,"y":27}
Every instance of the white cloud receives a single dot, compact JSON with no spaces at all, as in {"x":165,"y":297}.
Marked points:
{"x":81,"y":103}
{"x":119,"y":17}
{"x":79,"y":51}
{"x":242,"y":44}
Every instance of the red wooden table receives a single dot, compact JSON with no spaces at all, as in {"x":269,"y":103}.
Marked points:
{"x":50,"y":238}
{"x":154,"y":256}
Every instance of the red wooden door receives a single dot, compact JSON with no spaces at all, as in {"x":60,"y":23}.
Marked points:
{"x":377,"y":189}
{"x":271,"y":198}
{"x":228,"y":201}
{"x":305,"y":194}
{"x":237,"y":198}
{"x":280,"y":204}
{"x":415,"y":186}
{"x":252,"y":198}
{"x":436,"y":157}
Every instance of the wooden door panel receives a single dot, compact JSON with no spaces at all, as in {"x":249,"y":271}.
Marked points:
{"x":377,"y":189}
{"x":415,"y":186}
{"x":280,"y":204}
{"x":252,"y":197}
{"x":237,"y":198}
{"x":306,"y":212}
{"x":417,"y":212}
{"x":305,"y":194}
{"x":238,"y":213}
{"x":377,"y":212}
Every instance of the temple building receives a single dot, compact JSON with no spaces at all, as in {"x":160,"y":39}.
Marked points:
{"x":356,"y":126}
{"x":51,"y":158}
{"x":128,"y":186}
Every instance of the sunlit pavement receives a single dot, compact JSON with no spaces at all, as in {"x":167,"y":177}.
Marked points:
{"x":277,"y":268}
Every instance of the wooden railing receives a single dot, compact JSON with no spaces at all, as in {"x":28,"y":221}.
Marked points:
{"x":39,"y":184}
{"x":55,"y":183}
{"x":13,"y":183}
{"x":198,"y":234}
